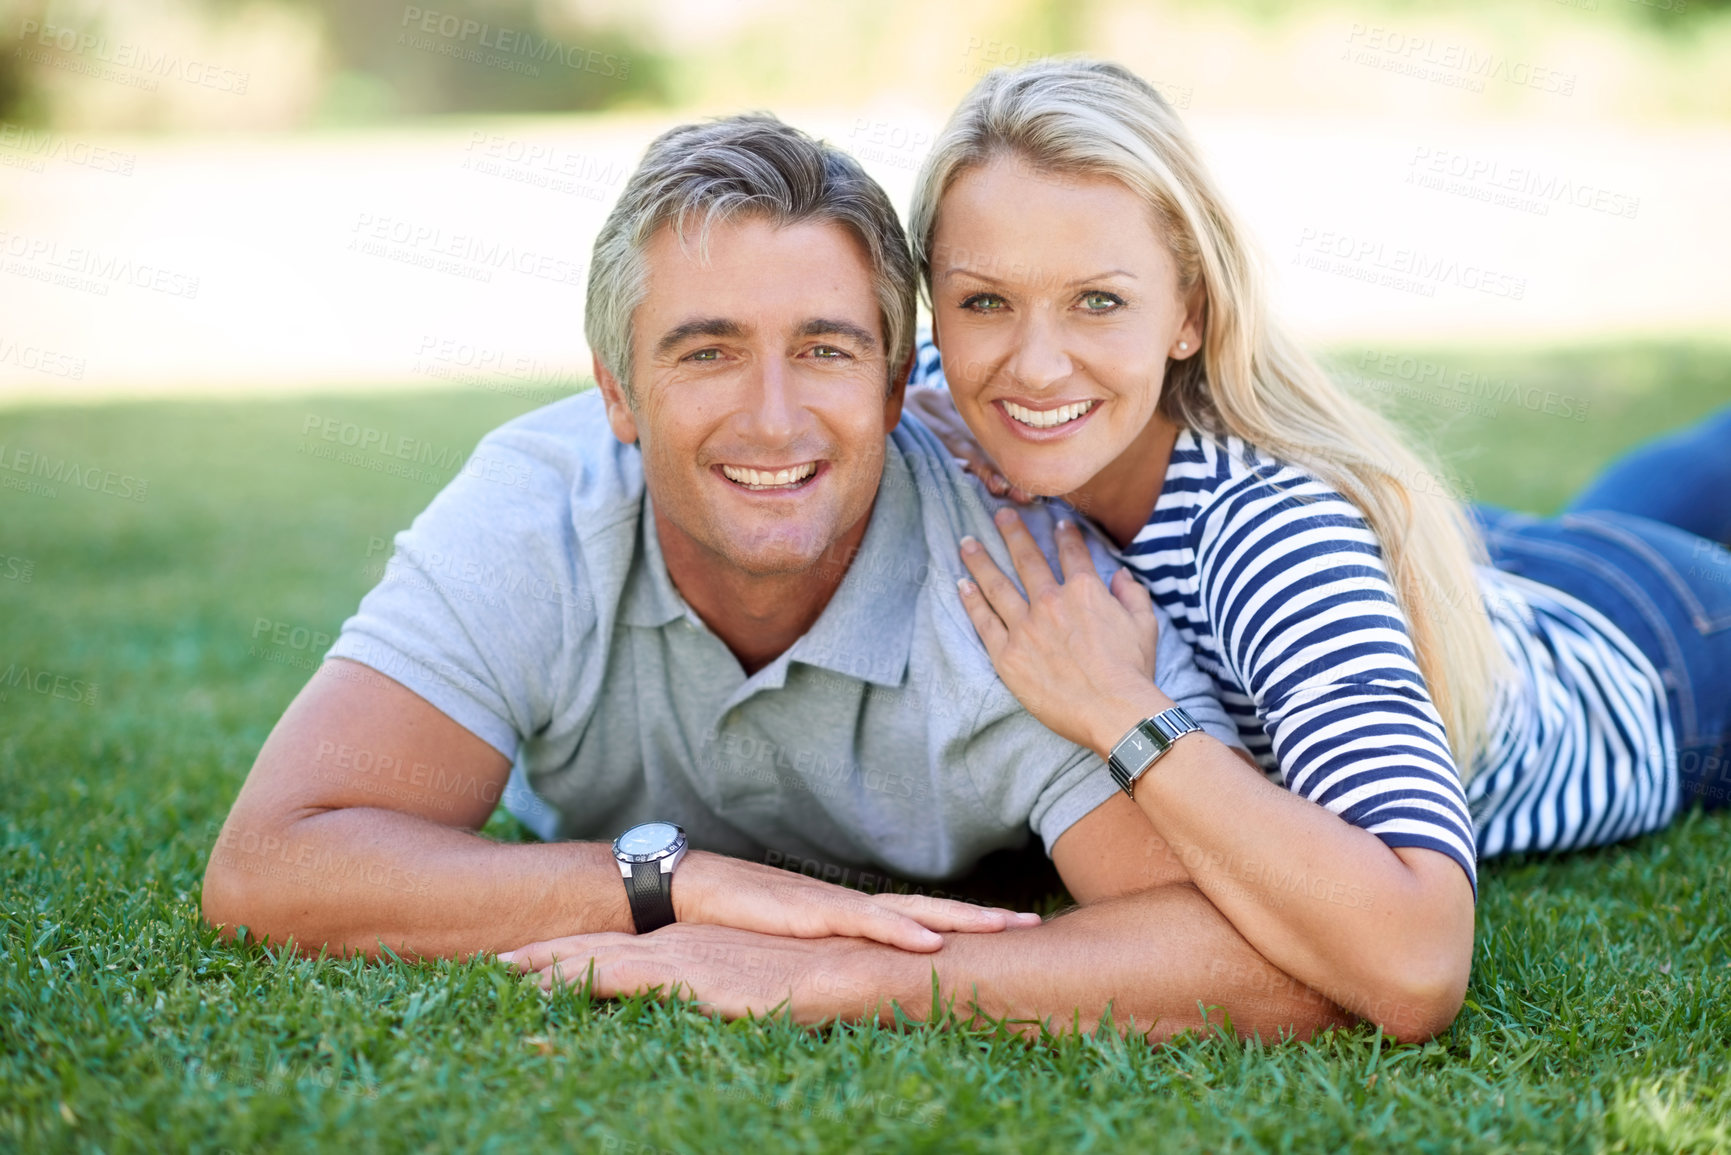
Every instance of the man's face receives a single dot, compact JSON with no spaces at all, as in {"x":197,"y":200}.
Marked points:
{"x":758,"y":393}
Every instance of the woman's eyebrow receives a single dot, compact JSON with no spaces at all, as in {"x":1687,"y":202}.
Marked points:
{"x":966,"y":271}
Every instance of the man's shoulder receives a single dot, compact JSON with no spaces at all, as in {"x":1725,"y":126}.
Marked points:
{"x":548,"y":501}
{"x":575,"y":462}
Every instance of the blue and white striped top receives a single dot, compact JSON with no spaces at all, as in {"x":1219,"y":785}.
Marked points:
{"x":1279,"y":586}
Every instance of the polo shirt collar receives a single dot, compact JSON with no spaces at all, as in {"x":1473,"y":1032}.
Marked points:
{"x":650,"y":598}
{"x":866,"y":631}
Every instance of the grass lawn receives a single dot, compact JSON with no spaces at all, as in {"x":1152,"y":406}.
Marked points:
{"x":1599,"y":1016}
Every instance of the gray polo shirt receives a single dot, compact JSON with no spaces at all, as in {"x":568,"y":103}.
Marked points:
{"x":540,"y":616}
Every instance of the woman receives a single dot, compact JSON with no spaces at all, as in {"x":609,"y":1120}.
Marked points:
{"x":1104,"y":336}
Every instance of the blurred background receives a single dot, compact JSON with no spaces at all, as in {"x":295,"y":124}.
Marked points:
{"x":269,"y":196}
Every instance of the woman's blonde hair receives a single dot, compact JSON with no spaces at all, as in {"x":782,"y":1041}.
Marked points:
{"x":1251,"y":379}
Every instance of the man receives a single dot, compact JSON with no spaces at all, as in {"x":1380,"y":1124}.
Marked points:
{"x":727,"y":603}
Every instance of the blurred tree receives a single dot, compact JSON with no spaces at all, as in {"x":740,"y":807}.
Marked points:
{"x":399,"y":59}
{"x":486,"y":56}
{"x":19,"y":99}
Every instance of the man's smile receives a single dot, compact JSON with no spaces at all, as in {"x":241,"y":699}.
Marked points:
{"x":787,"y":477}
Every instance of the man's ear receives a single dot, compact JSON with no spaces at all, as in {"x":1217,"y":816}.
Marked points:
{"x":619,"y":414}
{"x":898,"y":393}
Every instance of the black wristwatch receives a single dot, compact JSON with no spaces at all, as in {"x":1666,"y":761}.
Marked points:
{"x":1145,"y":743}
{"x":647,"y":855}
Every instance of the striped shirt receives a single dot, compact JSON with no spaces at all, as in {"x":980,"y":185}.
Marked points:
{"x":1278,"y":584}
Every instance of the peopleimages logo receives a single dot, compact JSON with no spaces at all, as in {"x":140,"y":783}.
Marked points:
{"x":1452,"y":65}
{"x":47,"y":683}
{"x":65,"y":471}
{"x":88,"y":52}
{"x":1521,"y":187}
{"x":1400,"y":266}
{"x":516,"y":49}
{"x":36,"y":146}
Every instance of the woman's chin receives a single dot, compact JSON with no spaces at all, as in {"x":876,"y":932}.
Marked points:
{"x":1045,"y":482}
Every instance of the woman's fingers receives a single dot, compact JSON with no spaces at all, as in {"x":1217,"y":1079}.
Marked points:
{"x":986,"y":621}
{"x":990,"y":593}
{"x":1031,"y":565}
{"x":1073,"y":555}
{"x":1132,"y":595}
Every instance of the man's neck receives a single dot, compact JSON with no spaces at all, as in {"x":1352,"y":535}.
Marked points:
{"x":758,"y":616}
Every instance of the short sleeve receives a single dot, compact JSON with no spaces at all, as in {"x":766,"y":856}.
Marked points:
{"x":481,"y":610}
{"x":1308,"y":623}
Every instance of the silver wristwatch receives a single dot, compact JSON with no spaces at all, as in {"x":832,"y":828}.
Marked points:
{"x":647,"y":855}
{"x":1145,"y":743}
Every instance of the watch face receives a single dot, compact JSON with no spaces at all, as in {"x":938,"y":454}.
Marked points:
{"x":648,"y":838}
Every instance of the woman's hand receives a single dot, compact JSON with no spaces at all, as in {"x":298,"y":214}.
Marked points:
{"x":936,"y":410}
{"x":1078,"y":656}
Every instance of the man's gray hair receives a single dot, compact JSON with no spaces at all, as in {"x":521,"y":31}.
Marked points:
{"x":701,"y":174}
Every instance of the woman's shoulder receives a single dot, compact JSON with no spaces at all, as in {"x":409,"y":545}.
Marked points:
{"x":1224,"y":478}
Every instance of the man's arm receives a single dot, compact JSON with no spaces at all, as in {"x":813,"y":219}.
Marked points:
{"x":1159,"y":957}
{"x":356,"y":830}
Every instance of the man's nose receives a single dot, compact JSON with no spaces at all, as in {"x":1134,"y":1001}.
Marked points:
{"x":772,"y":411}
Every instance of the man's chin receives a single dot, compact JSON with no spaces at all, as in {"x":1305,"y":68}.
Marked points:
{"x":769,"y":548}
{"x":774,"y":559}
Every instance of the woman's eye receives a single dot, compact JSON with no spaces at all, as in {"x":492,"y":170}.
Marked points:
{"x":1101,"y":302}
{"x":984,"y":303}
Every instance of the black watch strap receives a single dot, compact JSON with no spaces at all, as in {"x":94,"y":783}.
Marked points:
{"x":650,"y":893}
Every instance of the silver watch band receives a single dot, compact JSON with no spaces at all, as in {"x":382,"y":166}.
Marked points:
{"x":1144,"y":745}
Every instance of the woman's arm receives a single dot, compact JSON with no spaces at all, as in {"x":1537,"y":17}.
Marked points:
{"x":1326,"y":902}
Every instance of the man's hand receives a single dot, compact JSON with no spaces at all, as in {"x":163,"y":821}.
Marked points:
{"x":722,"y":891}
{"x":725,"y":971}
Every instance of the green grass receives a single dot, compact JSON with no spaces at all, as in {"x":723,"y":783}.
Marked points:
{"x":1599,"y":1016}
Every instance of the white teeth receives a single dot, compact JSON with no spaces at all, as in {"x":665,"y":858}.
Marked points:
{"x":769,"y":479}
{"x":1048,"y":418}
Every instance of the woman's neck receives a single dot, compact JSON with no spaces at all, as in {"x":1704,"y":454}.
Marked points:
{"x":1121,"y":498}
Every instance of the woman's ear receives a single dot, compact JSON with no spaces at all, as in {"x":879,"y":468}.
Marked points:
{"x":1188,"y":342}
{"x":619,"y":414}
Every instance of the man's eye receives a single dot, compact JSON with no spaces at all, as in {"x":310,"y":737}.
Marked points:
{"x":704,"y":355}
{"x":1101,"y":302}
{"x":984,"y":303}
{"x":829,"y":353}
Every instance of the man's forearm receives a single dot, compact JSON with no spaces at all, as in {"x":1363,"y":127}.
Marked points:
{"x":1156,"y":958}
{"x":356,"y":878}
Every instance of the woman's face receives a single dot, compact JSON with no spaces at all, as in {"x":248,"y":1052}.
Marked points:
{"x":1056,"y":308}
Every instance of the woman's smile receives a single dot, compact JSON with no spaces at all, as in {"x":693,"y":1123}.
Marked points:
{"x":1044,"y":422}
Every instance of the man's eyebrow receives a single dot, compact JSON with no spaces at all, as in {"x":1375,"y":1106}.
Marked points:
{"x":702,"y":327}
{"x":824,"y":327}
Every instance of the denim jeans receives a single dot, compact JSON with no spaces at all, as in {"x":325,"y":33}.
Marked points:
{"x":1630,"y":547}
{"x":1682,"y":479}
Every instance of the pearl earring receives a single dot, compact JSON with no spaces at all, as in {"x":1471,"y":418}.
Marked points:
{"x":1183,"y":345}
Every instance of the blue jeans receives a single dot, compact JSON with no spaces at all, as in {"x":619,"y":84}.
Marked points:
{"x":1632,"y":547}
